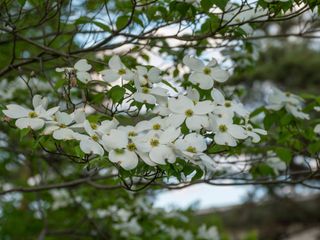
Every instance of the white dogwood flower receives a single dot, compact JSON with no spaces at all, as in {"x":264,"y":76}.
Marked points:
{"x":147,"y":77}
{"x":155,"y":124}
{"x":227,"y":133}
{"x":121,"y":149}
{"x":157,"y":145}
{"x":184,"y":109}
{"x":191,"y":145}
{"x":205,"y":75}
{"x":117,"y":71}
{"x":254,"y":133}
{"x":59,"y":128}
{"x":80,"y":69}
{"x":90,"y":143}
{"x":291,"y":102}
{"x":224,"y":105}
{"x":28,"y":118}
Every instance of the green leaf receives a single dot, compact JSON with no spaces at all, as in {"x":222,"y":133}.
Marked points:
{"x":122,"y":22}
{"x":116,"y":94}
{"x":169,"y":85}
{"x":217,"y":148}
{"x":206,"y":4}
{"x":314,"y":148}
{"x":220,"y":3}
{"x":24,"y":132}
{"x":284,"y":154}
{"x":198,"y":175}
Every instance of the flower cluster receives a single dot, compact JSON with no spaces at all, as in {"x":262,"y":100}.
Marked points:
{"x":183,"y":126}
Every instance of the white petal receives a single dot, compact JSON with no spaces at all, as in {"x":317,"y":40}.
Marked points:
{"x":89,"y":146}
{"x":169,"y":135}
{"x":51,"y":111}
{"x":159,"y":91}
{"x":109,"y":75}
{"x":88,"y":128}
{"x":144,"y":98}
{"x":197,"y":122}
{"x":255,"y":137}
{"x":15,"y":111}
{"x":180,"y":105}
{"x":225,"y":139}
{"x":175,"y":120}
{"x":154,"y":75}
{"x":63,"y":134}
{"x":116,"y":139}
{"x":49,"y":129}
{"x":143,"y":126}
{"x":193,"y":94}
{"x":145,"y":157}
{"x":217,"y":96}
{"x":317,"y":108}
{"x":237,"y":131}
{"x":196,"y":140}
{"x":219,"y":74}
{"x":63,"y":118}
{"x":193,"y":63}
{"x":128,"y":76}
{"x":162,"y":154}
{"x":33,"y":123}
{"x":84,"y":77}
{"x":107,"y":125}
{"x":127,"y":160}
{"x":115,"y":63}
{"x":203,"y":107}
{"x":79,"y":115}
{"x":204,"y":81}
{"x":38,"y":100}
{"x":317,"y":129}
{"x":260,"y":131}
{"x":82,"y":65}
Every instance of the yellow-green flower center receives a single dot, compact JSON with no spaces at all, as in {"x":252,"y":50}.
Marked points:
{"x":223,"y":128}
{"x":249,"y":128}
{"x":131,"y":147}
{"x":191,"y":149}
{"x":207,"y":71}
{"x":94,"y":126}
{"x":62,"y":125}
{"x":119,"y":151}
{"x":145,"y":90}
{"x":227,"y":104}
{"x":122,"y":71}
{"x":189,"y":113}
{"x":132,"y":134}
{"x":154,"y":142}
{"x":33,"y":114}
{"x":95,"y":138}
{"x":156,"y":126}
{"x":288,"y":94}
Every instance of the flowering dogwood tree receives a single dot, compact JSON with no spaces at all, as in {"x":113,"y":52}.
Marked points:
{"x":111,"y":95}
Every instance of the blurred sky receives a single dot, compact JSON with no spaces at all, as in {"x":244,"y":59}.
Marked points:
{"x":206,"y":196}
